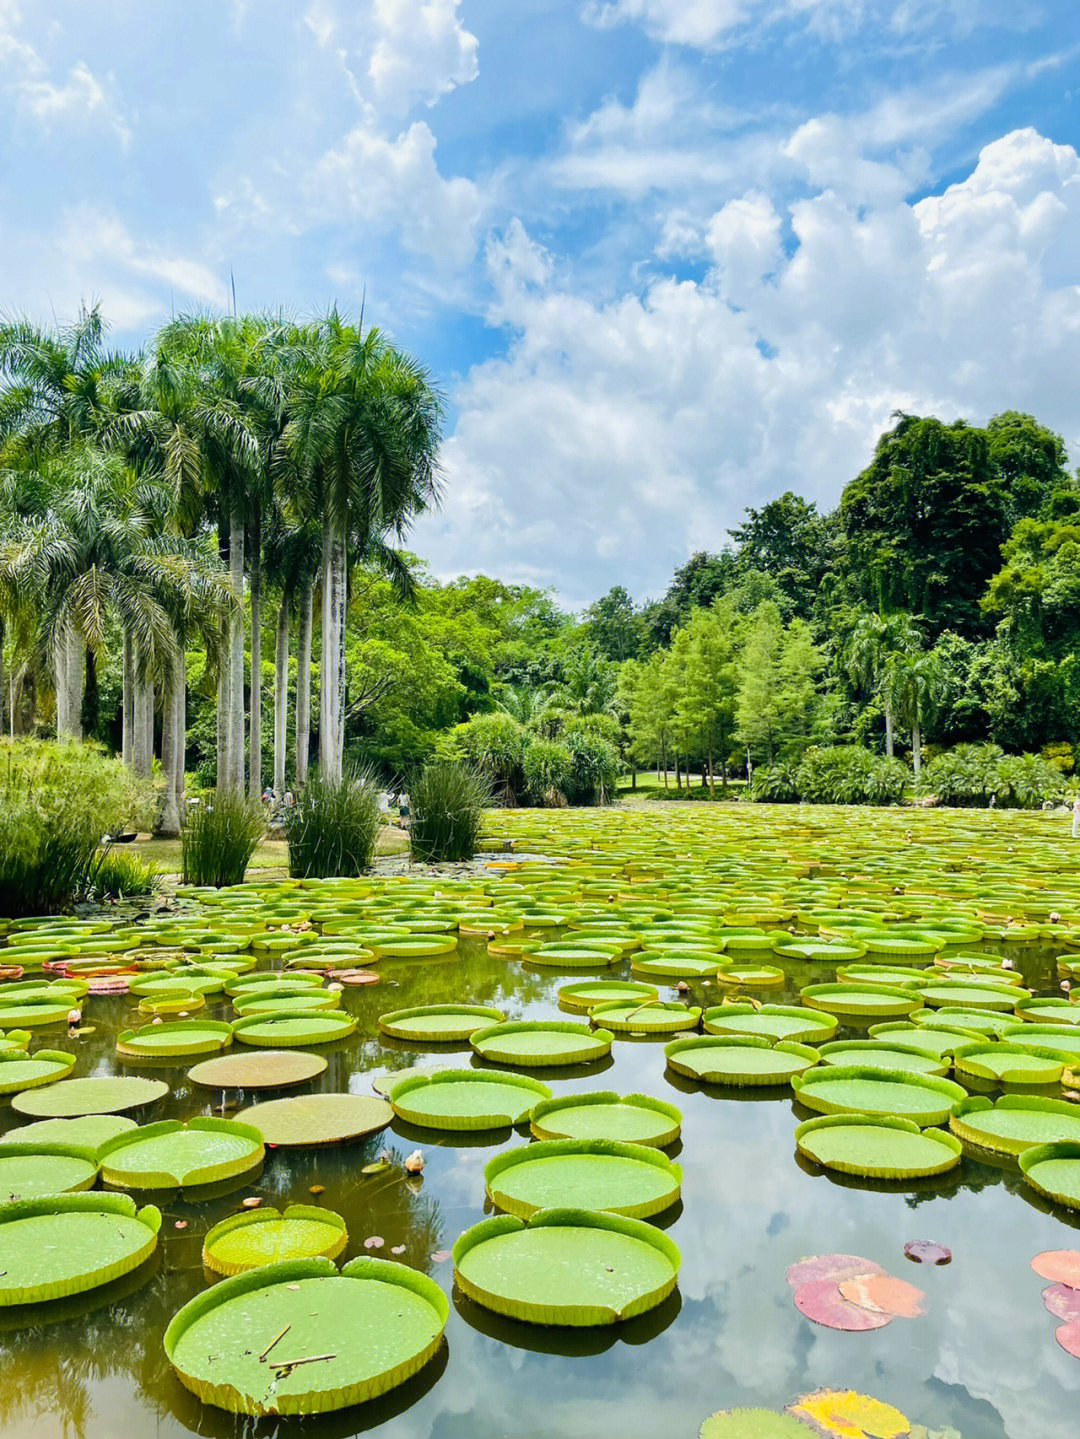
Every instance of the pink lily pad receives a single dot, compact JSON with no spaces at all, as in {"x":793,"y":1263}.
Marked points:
{"x":1062,"y":1302}
{"x":822,"y":1302}
{"x":883,"y":1294}
{"x":833,"y":1267}
{"x":1060,"y":1266}
{"x":925,"y":1251}
{"x":1068,"y":1336}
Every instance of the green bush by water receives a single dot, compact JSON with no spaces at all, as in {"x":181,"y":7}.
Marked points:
{"x":120,"y":874}
{"x":219,"y":837}
{"x":333,"y":827}
{"x":447,"y":801}
{"x":836,"y":774}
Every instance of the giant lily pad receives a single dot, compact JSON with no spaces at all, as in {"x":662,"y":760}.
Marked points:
{"x":270,"y":1069}
{"x":359,"y":1334}
{"x":163,"y":985}
{"x":820,"y":1300}
{"x":1007,"y":1063}
{"x":582,"y":997}
{"x":566,"y":954}
{"x":734,"y":973}
{"x":439,"y":1023}
{"x":33,"y":1013}
{"x":566,"y":1266}
{"x":970,"y":994}
{"x":739,"y":1059}
{"x":868,"y":1001}
{"x":310,"y":1119}
{"x":924,"y":1099}
{"x":255,"y":1237}
{"x":879,"y":1054}
{"x":1037,"y":1010}
{"x":466,"y":1099}
{"x":1059,"y":1039}
{"x":288,"y":1001}
{"x":19,"y":1071}
{"x":649,"y":1016}
{"x":632,"y":1119}
{"x":537,"y":1043}
{"x":183,"y":1037}
{"x":90,"y":1131}
{"x":776,"y":1021}
{"x":64,"y":1244}
{"x":752,"y":1424}
{"x":1015,"y":1122}
{"x":89,"y":1096}
{"x":596,"y":1174}
{"x":977,"y":1021}
{"x":161,"y":1156}
{"x":29,"y":1170}
{"x":295,"y":1030}
{"x":927,"y":1039}
{"x":843,"y":1414}
{"x":1054,"y":1170}
{"x":676,"y":964}
{"x":877,"y":1147}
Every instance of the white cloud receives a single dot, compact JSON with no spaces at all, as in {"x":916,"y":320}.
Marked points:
{"x":615,"y":437}
{"x":82,"y":97}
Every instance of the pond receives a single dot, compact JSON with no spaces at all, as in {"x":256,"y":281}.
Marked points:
{"x":982,"y":1361}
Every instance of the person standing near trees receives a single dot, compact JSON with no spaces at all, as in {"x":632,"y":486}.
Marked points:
{"x":1076,"y":816}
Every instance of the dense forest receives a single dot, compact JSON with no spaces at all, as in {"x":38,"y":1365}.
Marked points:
{"x":246,"y":485}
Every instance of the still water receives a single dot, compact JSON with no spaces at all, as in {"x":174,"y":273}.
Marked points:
{"x":983,"y":1361}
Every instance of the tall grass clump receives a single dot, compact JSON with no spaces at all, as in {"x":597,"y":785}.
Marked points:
{"x":219,"y":837}
{"x":119,"y":874}
{"x":447,"y":801}
{"x":57,"y":801}
{"x":332,"y":829}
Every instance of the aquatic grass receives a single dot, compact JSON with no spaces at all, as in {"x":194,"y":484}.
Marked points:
{"x":333,"y":828}
{"x":447,"y":802}
{"x":119,"y":874}
{"x":219,"y":837}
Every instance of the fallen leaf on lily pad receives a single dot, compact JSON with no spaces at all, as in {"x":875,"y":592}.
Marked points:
{"x":752,"y":1424}
{"x":1068,"y":1336}
{"x":822,"y":1302}
{"x":1062,"y":1302}
{"x":883,"y":1293}
{"x":374,"y":1241}
{"x":1061,"y":1266}
{"x":844,"y":1414}
{"x":830,"y":1266}
{"x":925,"y":1251}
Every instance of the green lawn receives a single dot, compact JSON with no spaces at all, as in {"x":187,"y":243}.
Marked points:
{"x":271,"y":853}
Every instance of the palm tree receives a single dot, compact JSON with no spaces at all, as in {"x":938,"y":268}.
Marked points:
{"x":292,"y":562}
{"x":914,"y":684}
{"x":362,"y":438}
{"x":867,"y":654}
{"x":587,"y":687}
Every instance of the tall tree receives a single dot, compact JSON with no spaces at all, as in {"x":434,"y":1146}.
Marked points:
{"x":914,"y":684}
{"x":867,"y":653}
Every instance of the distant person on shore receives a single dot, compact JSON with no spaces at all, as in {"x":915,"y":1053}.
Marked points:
{"x":1076,"y":816}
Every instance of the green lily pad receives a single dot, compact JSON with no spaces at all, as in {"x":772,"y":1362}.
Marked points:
{"x":183,"y":1037}
{"x":414,"y":947}
{"x":649,"y":1016}
{"x":566,"y":1266}
{"x":466,"y":1099}
{"x":752,"y":1424}
{"x":1016,"y":1122}
{"x":673,"y":964}
{"x":580,"y":998}
{"x":927,"y":1039}
{"x":90,"y":1131}
{"x":879,"y":1054}
{"x":568,"y":954}
{"x":19,"y":1071}
{"x":266,"y":1069}
{"x":895,"y":976}
{"x":159,"y":986}
{"x":1035,"y":1009}
{"x":30,"y":1170}
{"x":877,"y":1147}
{"x":65,"y":1244}
{"x":538,"y":1043}
{"x":255,"y":1237}
{"x":971,"y":995}
{"x":89,"y":1096}
{"x":310,"y":1119}
{"x":439,"y":1023}
{"x":823,"y":951}
{"x":776,"y":1021}
{"x":598,"y":1174}
{"x":1008,"y":1063}
{"x":160,"y":1156}
{"x":285,"y":1031}
{"x":33,"y":1013}
{"x":867,"y":1001}
{"x":978,"y":1021}
{"x":603,"y":1114}
{"x":739,"y":1059}
{"x":364,"y":1331}
{"x":1053,"y":1170}
{"x":924,"y":1099}
{"x":1059,"y":1039}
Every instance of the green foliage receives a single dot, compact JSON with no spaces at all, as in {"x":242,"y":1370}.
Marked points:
{"x":120,"y":874}
{"x":56,"y":802}
{"x":777,"y":699}
{"x":970,"y":776}
{"x":776,"y":783}
{"x":447,"y":802}
{"x":549,"y":772}
{"x":333,"y":827}
{"x":218,"y":838}
{"x":494,"y":744}
{"x":847,"y":774}
{"x":595,"y":767}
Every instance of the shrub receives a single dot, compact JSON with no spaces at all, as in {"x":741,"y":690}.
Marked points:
{"x":56,"y":802}
{"x":548,"y":767}
{"x":965,"y":776}
{"x":776,"y":783}
{"x":494,"y":744}
{"x":332,"y":828}
{"x":447,"y":801}
{"x":1060,"y":755}
{"x":1026,"y":781}
{"x":596,"y":767}
{"x":218,"y":838}
{"x":120,"y":874}
{"x":848,"y":774}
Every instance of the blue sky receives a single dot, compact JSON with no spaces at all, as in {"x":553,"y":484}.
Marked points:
{"x":666,"y":257}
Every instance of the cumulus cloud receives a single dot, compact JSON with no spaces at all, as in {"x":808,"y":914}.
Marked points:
{"x":616,"y":436}
{"x":81,"y":98}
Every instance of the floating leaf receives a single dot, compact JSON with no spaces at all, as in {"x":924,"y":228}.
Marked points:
{"x":466,"y":1099}
{"x":439,"y":1023}
{"x":844,"y":1414}
{"x":1062,"y":1302}
{"x":269,"y":1069}
{"x":751,"y":1424}
{"x":67,"y":1243}
{"x":822,"y":1302}
{"x":925,"y":1251}
{"x":1068,"y":1336}
{"x":1062,"y":1266}
{"x":884,"y":1294}
{"x":877,"y":1147}
{"x":158,"y":1156}
{"x":536,"y":1043}
{"x":310,"y":1119}
{"x":75,"y":1097}
{"x":602,"y":1114}
{"x":584,"y":1174}
{"x":264,"y":1236}
{"x":833,"y":1267}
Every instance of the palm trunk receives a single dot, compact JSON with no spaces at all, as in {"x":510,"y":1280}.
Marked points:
{"x":255,"y":721}
{"x":916,"y":748}
{"x":303,"y":684}
{"x":2,"y":680}
{"x":889,"y":744}
{"x":332,"y":686}
{"x":180,"y":724}
{"x":234,"y":745}
{"x":169,"y":822}
{"x":127,"y":702}
{"x":76,"y":681}
{"x":143,"y":717}
{"x":60,"y":686}
{"x":281,"y":694}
